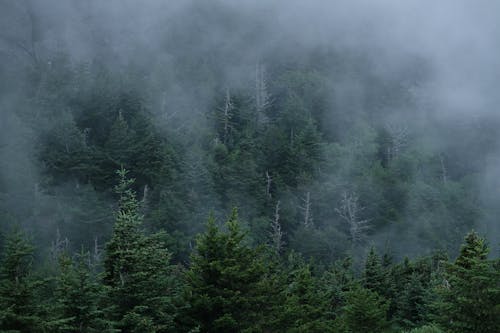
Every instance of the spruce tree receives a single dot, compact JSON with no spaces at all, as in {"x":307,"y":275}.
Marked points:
{"x":374,"y":277}
{"x":470,"y":291}
{"x":77,"y":298}
{"x":305,"y":308}
{"x":365,"y":311}
{"x":137,"y":271}
{"x":18,"y":303}
{"x":224,"y":282}
{"x":411,"y":309}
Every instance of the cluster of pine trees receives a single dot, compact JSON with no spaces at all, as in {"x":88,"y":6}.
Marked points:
{"x":353,"y":188}
{"x":231,"y":286}
{"x":291,"y":152}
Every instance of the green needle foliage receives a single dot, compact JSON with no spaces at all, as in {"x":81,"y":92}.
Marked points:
{"x":137,"y":270}
{"x":224,"y":281}
{"x":18,"y":298}
{"x":470,"y":292}
{"x":365,"y":311}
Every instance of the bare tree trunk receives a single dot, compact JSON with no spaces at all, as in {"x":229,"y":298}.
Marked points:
{"x":269,"y":180}
{"x":276,"y":232}
{"x":58,"y":246}
{"x":97,"y":251}
{"x":444,"y":171}
{"x":349,"y":210}
{"x":307,"y":210}
{"x":226,"y":116}
{"x":398,"y":140}
{"x":262,"y":100}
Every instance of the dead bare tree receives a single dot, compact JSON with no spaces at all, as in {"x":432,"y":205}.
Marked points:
{"x":398,"y":136}
{"x":276,"y":232}
{"x":226,"y":115}
{"x":350,"y":210}
{"x":444,"y":171}
{"x":145,"y":199}
{"x":306,"y":208}
{"x":97,"y":255}
{"x":58,"y":246}
{"x":262,"y":98}
{"x":269,"y":181}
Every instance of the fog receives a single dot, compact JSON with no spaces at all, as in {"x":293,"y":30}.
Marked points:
{"x":452,"y":47}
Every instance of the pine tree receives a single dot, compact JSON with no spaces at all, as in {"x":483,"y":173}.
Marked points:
{"x":374,"y":277}
{"x":411,"y":308}
{"x":224,"y":282}
{"x":18,"y":286}
{"x":137,"y":270}
{"x":305,"y":306}
{"x":336,"y":282}
{"x":365,"y":311}
{"x":77,"y":297}
{"x":470,"y":291}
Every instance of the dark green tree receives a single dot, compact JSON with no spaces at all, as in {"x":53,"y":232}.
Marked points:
{"x":137,"y":270}
{"x":411,"y":306}
{"x":19,"y":310}
{"x":224,"y":282}
{"x":365,"y":311}
{"x":374,"y":277}
{"x":335,"y":282}
{"x":470,"y":293}
{"x":305,"y":308}
{"x":78,"y":298}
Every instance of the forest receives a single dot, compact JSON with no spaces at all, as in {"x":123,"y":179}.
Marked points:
{"x":249,"y":166}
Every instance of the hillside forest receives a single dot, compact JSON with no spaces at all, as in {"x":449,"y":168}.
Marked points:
{"x":210,"y":167}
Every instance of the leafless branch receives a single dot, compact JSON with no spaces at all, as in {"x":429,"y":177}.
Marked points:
{"x":350,"y":210}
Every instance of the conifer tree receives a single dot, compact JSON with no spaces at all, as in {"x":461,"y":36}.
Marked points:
{"x":373,"y":276}
{"x":224,"y":281}
{"x":305,"y":306}
{"x":18,"y":286}
{"x":137,"y":270}
{"x":335,"y":283}
{"x":470,"y":291}
{"x":365,"y":311}
{"x":77,"y":298}
{"x":411,"y":309}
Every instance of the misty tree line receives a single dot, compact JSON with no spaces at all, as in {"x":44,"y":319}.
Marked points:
{"x":313,"y":143}
{"x":340,"y":174}
{"x":329,"y":182}
{"x":231,"y":286}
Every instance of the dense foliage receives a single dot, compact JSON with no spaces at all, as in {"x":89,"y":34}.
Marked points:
{"x":232,"y":287}
{"x":345,"y":189}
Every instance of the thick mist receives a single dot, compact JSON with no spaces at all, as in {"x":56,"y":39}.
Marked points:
{"x":451,"y":47}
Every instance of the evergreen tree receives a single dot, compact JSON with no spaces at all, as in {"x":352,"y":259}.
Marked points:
{"x":305,"y":305}
{"x":335,"y":282}
{"x":137,"y":270}
{"x":224,"y":282}
{"x":471,"y":290}
{"x":411,"y":308}
{"x":18,"y":305}
{"x":78,"y":297}
{"x":374,"y":277}
{"x":365,"y":311}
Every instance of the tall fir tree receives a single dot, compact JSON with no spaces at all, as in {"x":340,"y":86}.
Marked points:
{"x":224,"y":282}
{"x":19,"y":310}
{"x":305,"y":307}
{"x":365,"y":311}
{"x":78,"y":297}
{"x":374,"y":277}
{"x":137,"y":270}
{"x":470,"y":293}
